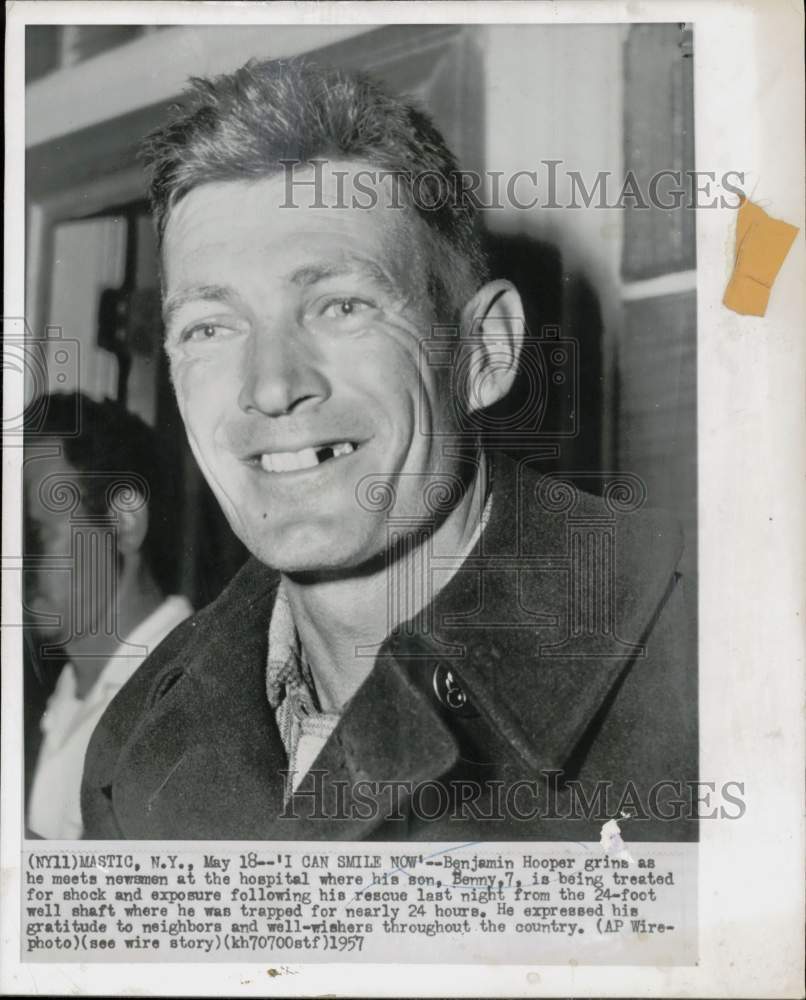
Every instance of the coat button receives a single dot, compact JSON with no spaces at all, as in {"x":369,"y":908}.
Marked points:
{"x":450,"y":692}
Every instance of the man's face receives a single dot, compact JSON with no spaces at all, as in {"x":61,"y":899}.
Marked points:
{"x":293,"y":335}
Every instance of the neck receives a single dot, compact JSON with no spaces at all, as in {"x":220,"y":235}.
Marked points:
{"x":343,"y":622}
{"x":137,"y":596}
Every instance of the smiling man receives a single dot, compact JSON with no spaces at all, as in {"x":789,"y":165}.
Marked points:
{"x":403,"y":656}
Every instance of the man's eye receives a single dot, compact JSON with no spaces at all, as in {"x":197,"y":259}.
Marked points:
{"x":345,"y":309}
{"x":201,"y":333}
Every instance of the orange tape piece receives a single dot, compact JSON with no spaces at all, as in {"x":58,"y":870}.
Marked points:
{"x":762,"y":244}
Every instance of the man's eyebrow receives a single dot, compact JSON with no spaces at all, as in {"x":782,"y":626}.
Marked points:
{"x":302,"y":276}
{"x":309,"y":274}
{"x":196,"y":293}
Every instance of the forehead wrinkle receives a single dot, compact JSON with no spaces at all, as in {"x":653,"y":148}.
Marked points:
{"x":344,"y":265}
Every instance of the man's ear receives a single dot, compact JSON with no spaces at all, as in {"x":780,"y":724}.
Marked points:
{"x":493,"y":328}
{"x":132,"y":525}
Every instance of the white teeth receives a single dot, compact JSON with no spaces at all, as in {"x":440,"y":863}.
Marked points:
{"x":289,"y":461}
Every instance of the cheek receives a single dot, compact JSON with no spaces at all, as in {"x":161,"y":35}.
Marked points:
{"x":202,"y":389}
{"x":384,"y":363}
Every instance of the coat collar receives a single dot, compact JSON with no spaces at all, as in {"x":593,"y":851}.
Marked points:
{"x":208,"y":757}
{"x":204,"y":748}
{"x":552,"y":607}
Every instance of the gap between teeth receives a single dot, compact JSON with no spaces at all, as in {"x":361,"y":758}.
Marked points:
{"x":307,"y":458}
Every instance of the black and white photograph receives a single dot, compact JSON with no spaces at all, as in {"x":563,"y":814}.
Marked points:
{"x":363,"y":592}
{"x":404,"y":521}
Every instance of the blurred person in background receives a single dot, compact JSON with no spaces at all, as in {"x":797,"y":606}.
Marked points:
{"x":97,"y":574}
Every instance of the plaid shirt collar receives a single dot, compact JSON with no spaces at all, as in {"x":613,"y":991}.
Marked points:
{"x":288,"y":674}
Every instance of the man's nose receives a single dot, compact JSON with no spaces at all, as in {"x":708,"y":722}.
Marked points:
{"x":281,"y":373}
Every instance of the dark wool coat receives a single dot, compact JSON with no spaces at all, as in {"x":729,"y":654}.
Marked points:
{"x":551,"y":685}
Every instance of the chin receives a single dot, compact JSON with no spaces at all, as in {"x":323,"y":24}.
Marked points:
{"x":307,"y":549}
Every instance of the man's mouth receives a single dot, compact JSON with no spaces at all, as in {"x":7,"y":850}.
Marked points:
{"x":306,"y":458}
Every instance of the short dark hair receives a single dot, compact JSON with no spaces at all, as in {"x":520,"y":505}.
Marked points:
{"x":107,"y":439}
{"x":249,"y":123}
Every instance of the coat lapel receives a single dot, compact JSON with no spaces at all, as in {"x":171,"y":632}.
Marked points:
{"x":389,"y":734}
{"x":508,"y":624}
{"x":207,"y":757}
